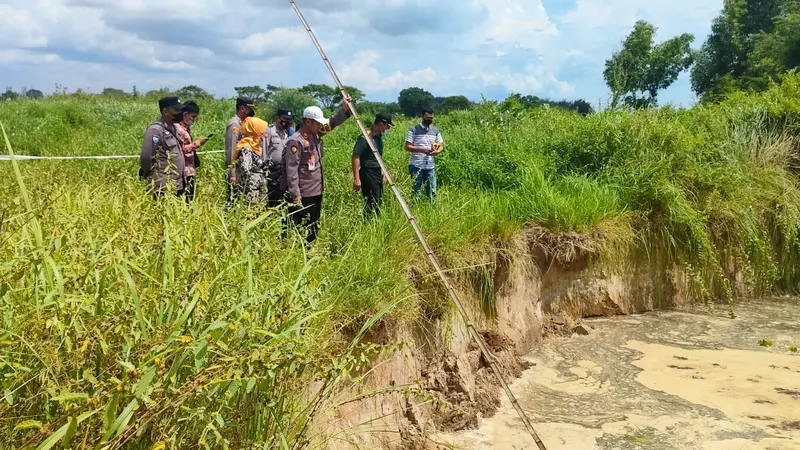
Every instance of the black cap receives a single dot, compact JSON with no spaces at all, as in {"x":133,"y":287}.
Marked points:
{"x":166,"y":102}
{"x":245,"y":101}
{"x":285,"y":112}
{"x":384,"y":118}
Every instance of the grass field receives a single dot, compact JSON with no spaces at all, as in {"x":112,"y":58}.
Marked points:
{"x":129,"y":323}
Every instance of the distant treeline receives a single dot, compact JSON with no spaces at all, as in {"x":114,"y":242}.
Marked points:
{"x":409,"y":102}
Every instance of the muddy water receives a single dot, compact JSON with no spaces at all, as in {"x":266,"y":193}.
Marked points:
{"x":673,"y":380}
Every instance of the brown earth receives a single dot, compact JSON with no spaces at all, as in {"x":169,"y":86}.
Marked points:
{"x":439,"y":382}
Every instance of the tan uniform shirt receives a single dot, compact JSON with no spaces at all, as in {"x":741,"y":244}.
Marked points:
{"x":302,"y":160}
{"x":232,"y":137}
{"x":161,"y":159}
{"x":276,"y":145}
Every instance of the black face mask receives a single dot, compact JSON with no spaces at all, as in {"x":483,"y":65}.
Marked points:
{"x":427,"y":122}
{"x":286,"y":124}
{"x":177,"y":117}
{"x":252,"y":113}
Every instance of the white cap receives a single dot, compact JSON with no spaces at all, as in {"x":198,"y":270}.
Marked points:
{"x":315,"y":113}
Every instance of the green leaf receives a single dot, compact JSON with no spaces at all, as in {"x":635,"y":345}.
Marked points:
{"x":28,"y":424}
{"x":144,"y":383}
{"x":122,"y":420}
{"x":61,"y":432}
{"x":111,"y":412}
{"x":9,"y":396}
{"x":72,"y":426}
{"x":200,"y":355}
{"x":71,"y":397}
{"x":251,"y":383}
{"x":128,"y":366}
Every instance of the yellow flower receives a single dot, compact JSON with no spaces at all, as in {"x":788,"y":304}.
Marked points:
{"x":158,"y":361}
{"x":160,"y":445}
{"x":209,"y":337}
{"x":246,"y":315}
{"x":202,"y":442}
{"x":201,"y":308}
{"x":119,"y":387}
{"x":187,"y":340}
{"x":232,"y":326}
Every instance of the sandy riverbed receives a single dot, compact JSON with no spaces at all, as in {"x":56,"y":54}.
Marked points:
{"x":672,"y":380}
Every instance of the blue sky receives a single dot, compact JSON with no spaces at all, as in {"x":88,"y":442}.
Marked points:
{"x":549,"y":48}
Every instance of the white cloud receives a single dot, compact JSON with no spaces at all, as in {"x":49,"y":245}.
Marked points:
{"x":469,"y":47}
{"x":284,"y":38}
{"x":362,"y":73}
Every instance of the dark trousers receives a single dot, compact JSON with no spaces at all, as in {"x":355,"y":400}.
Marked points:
{"x":275,"y":195}
{"x":188,"y":192}
{"x":372,"y":188}
{"x":307,"y":215}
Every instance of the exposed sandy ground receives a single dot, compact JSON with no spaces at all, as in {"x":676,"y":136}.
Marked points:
{"x":660,"y":381}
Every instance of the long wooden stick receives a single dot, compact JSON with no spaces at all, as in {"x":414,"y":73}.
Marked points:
{"x":421,"y":237}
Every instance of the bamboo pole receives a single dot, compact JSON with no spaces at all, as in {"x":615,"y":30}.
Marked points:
{"x":421,"y":237}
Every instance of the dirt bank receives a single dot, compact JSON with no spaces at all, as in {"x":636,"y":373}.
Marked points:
{"x":439,"y":383}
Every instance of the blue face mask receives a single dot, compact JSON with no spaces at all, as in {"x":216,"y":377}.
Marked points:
{"x":189,"y":123}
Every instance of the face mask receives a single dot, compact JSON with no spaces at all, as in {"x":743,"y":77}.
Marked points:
{"x":427,"y":122}
{"x":177,"y":117}
{"x":189,"y":123}
{"x":286,"y":125}
{"x":252,"y":113}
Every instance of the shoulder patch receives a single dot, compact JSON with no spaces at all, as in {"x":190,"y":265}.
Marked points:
{"x":156,"y":138}
{"x":294,"y":149}
{"x":307,"y":143}
{"x":235,"y":130}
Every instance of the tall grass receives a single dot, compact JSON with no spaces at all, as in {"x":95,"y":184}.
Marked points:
{"x":128,"y":322}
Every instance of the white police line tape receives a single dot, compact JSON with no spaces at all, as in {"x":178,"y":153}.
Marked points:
{"x":28,"y":157}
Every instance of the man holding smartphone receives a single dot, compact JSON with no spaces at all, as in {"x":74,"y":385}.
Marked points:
{"x":191,"y":160}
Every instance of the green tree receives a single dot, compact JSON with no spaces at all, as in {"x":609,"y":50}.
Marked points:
{"x":372,"y":108}
{"x":9,"y":94}
{"x":330,"y":96}
{"x":640,"y":69}
{"x":34,"y":93}
{"x":355,"y":95}
{"x":745,"y":48}
{"x":114,"y":93}
{"x":453,"y":103}
{"x":324,"y":94}
{"x":257,"y":93}
{"x":413,"y":99}
{"x":294,"y":100}
{"x":777,"y":51}
{"x":192,"y":92}
{"x":157,"y":93}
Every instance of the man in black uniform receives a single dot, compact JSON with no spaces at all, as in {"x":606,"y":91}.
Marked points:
{"x":367,"y":175}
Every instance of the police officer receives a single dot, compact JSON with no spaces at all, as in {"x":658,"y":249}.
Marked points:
{"x":161,"y":161}
{"x":302,"y":161}
{"x":367,"y":175}
{"x":279,"y":133}
{"x":245,"y":107}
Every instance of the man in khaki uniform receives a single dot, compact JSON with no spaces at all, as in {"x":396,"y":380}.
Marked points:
{"x":245,"y":107}
{"x":302,"y":162}
{"x":279,"y":134}
{"x":161,"y":161}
